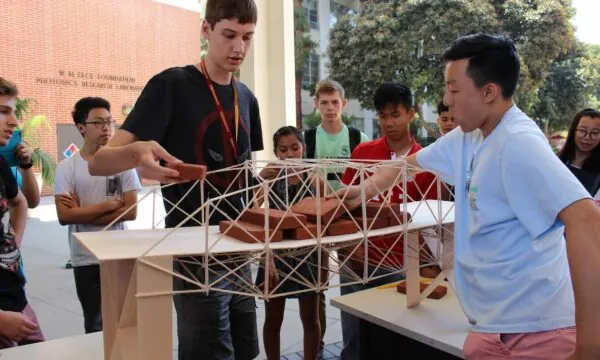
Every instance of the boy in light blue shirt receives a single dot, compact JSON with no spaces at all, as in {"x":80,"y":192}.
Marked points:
{"x":514,"y":200}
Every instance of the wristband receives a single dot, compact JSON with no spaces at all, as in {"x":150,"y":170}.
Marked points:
{"x":26,"y":166}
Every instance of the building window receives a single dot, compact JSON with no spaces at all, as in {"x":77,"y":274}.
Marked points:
{"x":312,"y":15}
{"x":310,"y":74}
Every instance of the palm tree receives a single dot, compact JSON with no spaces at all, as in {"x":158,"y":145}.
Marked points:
{"x":31,"y":131}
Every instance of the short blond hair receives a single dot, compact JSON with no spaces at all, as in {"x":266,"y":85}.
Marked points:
{"x":329,"y":87}
{"x":8,"y":88}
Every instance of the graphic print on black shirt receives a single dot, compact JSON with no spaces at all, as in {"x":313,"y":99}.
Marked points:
{"x":213,"y":149}
{"x":12,"y":295}
{"x":176,"y":109}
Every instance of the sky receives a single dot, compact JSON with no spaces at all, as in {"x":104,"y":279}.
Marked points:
{"x":586,"y":20}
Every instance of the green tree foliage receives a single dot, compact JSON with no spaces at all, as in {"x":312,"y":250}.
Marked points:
{"x":571,"y":85}
{"x":303,"y":47}
{"x":404,"y":40}
{"x":542,"y":31}
{"x":32,"y":131}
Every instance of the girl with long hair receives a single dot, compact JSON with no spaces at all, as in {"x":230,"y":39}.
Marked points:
{"x":581,"y":152}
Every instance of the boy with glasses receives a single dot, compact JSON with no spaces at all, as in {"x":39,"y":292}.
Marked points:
{"x":89,"y":203}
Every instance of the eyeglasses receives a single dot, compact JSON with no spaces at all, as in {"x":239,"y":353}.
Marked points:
{"x":101,"y":123}
{"x":593,"y":134}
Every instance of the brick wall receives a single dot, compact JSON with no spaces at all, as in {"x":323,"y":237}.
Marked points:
{"x":59,"y":51}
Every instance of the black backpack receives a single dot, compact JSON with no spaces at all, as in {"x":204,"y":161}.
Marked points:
{"x":310,"y":138}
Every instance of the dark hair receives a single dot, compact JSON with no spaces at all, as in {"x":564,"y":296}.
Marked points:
{"x":392,"y":94}
{"x":567,"y":153}
{"x":492,"y":59}
{"x":441,"y":107}
{"x":85,"y":105}
{"x":8,"y":88}
{"x":242,"y":10}
{"x":285,"y":131}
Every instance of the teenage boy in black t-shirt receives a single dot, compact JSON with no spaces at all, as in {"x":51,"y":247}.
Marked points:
{"x":199,"y":114}
{"x":18,"y":323}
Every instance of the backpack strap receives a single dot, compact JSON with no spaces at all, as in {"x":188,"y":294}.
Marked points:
{"x":355,"y":137}
{"x":310,"y":139}
{"x":596,"y":186}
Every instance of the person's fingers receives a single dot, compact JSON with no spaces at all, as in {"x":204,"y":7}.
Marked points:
{"x":66,"y":201}
{"x":163,"y":154}
{"x":152,"y":168}
{"x":354,"y":203}
{"x":337,"y":194}
{"x":161,"y":174}
{"x":174,"y":180}
{"x":23,"y":155}
{"x":29,"y":326}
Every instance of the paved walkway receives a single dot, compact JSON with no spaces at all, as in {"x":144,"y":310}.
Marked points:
{"x":51,"y":289}
{"x":332,"y":352}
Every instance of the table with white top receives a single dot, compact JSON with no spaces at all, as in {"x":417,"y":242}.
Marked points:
{"x":137,"y":276}
{"x":137,"y":289}
{"x":88,"y":347}
{"x":434,"y":329}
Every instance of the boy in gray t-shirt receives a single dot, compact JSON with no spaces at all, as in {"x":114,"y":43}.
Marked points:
{"x":89,"y":203}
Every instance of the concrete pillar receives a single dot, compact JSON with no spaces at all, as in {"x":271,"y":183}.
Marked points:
{"x":324,"y":8}
{"x":368,"y":125}
{"x":269,"y":69}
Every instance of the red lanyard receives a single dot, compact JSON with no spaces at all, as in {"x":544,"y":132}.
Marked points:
{"x":222,"y":111}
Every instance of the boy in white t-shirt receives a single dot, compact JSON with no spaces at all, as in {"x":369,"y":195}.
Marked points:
{"x":90,"y":203}
{"x":514,"y":199}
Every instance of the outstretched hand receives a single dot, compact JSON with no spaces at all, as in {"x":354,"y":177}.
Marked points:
{"x":147,"y":156}
{"x":269,"y":172}
{"x":351,"y":196}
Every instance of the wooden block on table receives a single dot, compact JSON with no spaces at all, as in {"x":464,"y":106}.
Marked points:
{"x":330,"y":209}
{"x":393,"y":221}
{"x":372,"y":210}
{"x":437,"y":293}
{"x":277,"y":218}
{"x":235,"y":229}
{"x":189,"y":171}
{"x":342,"y":227}
{"x":301,"y":233}
{"x":372,"y":223}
